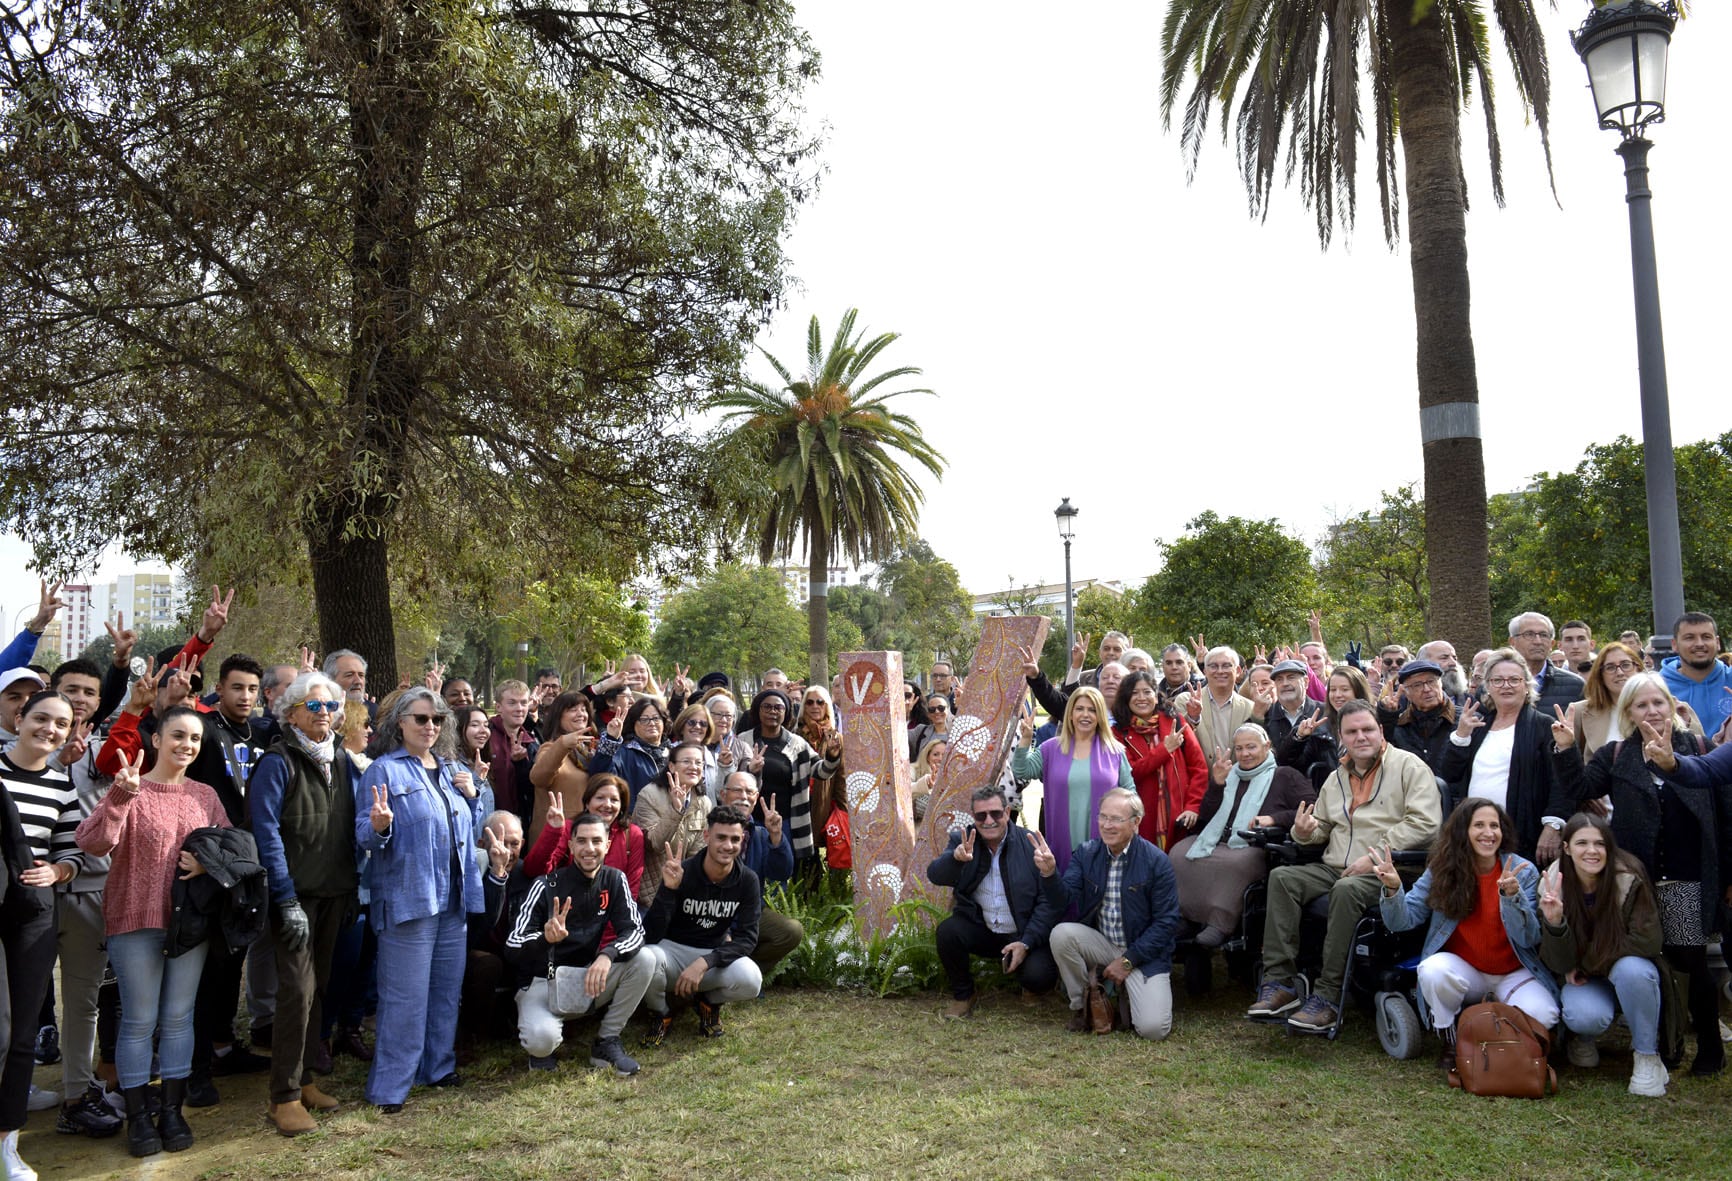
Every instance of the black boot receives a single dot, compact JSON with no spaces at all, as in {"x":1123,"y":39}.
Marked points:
{"x":170,"y":1124}
{"x":141,"y":1137}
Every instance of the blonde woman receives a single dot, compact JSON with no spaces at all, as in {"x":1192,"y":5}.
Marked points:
{"x":1076,"y":767}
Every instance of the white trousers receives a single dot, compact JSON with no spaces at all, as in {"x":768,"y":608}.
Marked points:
{"x":1447,"y":982}
{"x":1080,"y":949}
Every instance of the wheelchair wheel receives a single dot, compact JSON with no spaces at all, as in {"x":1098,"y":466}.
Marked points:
{"x":1397,"y":1025}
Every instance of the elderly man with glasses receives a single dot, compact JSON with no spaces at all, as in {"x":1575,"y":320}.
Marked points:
{"x":1003,"y":903}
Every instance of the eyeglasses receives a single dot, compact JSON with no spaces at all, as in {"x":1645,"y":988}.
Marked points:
{"x":772,"y":706}
{"x":1422,"y":683}
{"x":1505,"y":682}
{"x":1394,"y":661}
{"x":908,"y":697}
{"x":990,"y":816}
{"x":1532,"y":634}
{"x":331,"y":707}
{"x":650,"y":719}
{"x":1621,"y":666}
{"x":1109,"y":818}
{"x":696,"y":724}
{"x":426,"y":720}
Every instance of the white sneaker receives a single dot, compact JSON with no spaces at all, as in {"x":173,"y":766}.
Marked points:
{"x":1649,"y":1077}
{"x":1583,"y":1051}
{"x":41,"y":1100}
{"x":16,"y":1169}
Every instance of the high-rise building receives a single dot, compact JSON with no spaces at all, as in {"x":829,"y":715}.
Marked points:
{"x":78,"y":624}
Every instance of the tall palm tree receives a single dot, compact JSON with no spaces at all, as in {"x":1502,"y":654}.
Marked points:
{"x":827,"y":444}
{"x":1297,"y":68}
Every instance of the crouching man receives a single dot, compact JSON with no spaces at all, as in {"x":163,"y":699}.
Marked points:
{"x":1123,"y":889}
{"x":704,"y":927}
{"x":581,"y":915}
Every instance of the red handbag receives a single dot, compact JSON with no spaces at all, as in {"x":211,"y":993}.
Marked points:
{"x":838,"y":840}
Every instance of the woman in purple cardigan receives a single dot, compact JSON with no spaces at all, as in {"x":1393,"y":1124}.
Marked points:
{"x":1076,"y":767}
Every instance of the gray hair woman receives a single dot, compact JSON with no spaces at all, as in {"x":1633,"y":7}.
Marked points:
{"x":418,"y":813}
{"x":302,"y":798}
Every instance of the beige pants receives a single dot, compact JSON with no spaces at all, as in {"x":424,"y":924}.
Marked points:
{"x":1080,"y":949}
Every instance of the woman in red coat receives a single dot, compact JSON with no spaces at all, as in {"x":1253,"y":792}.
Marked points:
{"x":1166,"y":761}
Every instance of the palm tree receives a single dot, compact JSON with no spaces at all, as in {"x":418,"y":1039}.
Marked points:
{"x":826,"y":443}
{"x":1297,"y":67}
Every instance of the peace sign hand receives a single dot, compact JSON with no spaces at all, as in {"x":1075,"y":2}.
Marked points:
{"x":1551,"y":897}
{"x":1199,"y":647}
{"x":1563,"y":732}
{"x":772,"y":819}
{"x":143,"y":694}
{"x":1471,"y":719}
{"x":674,"y":867}
{"x":1657,"y":748}
{"x":1508,"y":884}
{"x":554,"y":929}
{"x":1079,"y":651}
{"x":1030,"y":666}
{"x":50,"y":604}
{"x":499,"y":856}
{"x":1308,"y":725}
{"x":309,"y":660}
{"x":964,"y":850}
{"x":77,"y":742}
{"x":380,"y":813}
{"x":1383,"y":865}
{"x":1221,"y":767}
{"x":216,"y":616}
{"x":1044,"y":858}
{"x":756,"y":763}
{"x":1305,"y":821}
{"x":1175,"y":738}
{"x":1025,"y":731}
{"x":126,"y":778}
{"x":555,"y":815}
{"x":124,"y":640}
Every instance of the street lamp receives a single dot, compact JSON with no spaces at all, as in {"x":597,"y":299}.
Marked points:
{"x":1624,"y":44}
{"x":523,"y":660}
{"x":1066,"y":516}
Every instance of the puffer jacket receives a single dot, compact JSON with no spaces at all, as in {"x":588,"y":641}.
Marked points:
{"x":230,"y":898}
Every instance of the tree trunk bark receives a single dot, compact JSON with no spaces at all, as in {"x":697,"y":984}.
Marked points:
{"x":352,"y":594}
{"x":1455,"y":501}
{"x":818,"y":611}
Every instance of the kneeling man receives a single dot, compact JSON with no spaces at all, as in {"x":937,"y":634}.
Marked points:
{"x":561,"y":924}
{"x":1128,"y":902}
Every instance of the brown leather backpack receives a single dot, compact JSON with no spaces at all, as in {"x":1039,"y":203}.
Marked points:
{"x":1500,"y":1050}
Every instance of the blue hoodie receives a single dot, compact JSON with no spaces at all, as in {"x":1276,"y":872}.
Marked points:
{"x":1711,"y":698}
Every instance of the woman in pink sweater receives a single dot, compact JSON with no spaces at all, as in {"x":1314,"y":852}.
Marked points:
{"x":142,"y":822}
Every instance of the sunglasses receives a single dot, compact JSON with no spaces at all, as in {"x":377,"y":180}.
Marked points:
{"x":322,"y":707}
{"x":938,"y":709}
{"x":426,"y":720}
{"x":991,"y":816}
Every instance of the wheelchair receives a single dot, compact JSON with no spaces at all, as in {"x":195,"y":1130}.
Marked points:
{"x":1382,"y":969}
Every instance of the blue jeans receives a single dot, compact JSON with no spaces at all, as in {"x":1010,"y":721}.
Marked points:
{"x":156,"y":993}
{"x":420,"y":986}
{"x":1632,"y":985}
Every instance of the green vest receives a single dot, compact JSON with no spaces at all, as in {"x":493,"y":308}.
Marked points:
{"x":317,"y":823}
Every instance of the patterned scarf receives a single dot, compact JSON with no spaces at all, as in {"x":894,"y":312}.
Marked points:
{"x":320,"y":752}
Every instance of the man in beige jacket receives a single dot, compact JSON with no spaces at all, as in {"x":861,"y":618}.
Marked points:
{"x":1380,"y":796}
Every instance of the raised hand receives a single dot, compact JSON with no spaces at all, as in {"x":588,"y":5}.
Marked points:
{"x":725,"y":751}
{"x":77,"y":742}
{"x":756,"y":763}
{"x":1471,"y":719}
{"x":1199,"y":648}
{"x":964,"y":850}
{"x":379,"y":815}
{"x":1508,"y":884}
{"x":1316,"y":622}
{"x":1030,"y":666}
{"x":674,"y":866}
{"x":1657,"y":747}
{"x":681,"y":682}
{"x":1308,"y":725}
{"x":1305,"y":821}
{"x":1044,"y":858}
{"x":48,"y":607}
{"x":1079,"y":651}
{"x":616,"y":724}
{"x":1551,"y":897}
{"x":555,"y":816}
{"x":832,"y":744}
{"x":125,"y":639}
{"x":1563,"y":732}
{"x":553,"y":930}
{"x":309,"y":660}
{"x":1221,"y":767}
{"x":1025,"y":730}
{"x":499,"y":857}
{"x":435,"y":677}
{"x":216,"y":616}
{"x":1175,"y":738}
{"x":679,"y":791}
{"x":1262,"y":654}
{"x":126,"y":779}
{"x":1383,"y":865}
{"x":1194,"y":706}
{"x":772,"y":818}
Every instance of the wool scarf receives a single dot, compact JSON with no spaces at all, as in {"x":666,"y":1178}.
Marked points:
{"x":1256,"y":781}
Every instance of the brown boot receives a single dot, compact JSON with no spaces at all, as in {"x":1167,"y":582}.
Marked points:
{"x":1079,"y":1021}
{"x":314,"y":1099}
{"x":957,"y":1010}
{"x":291,"y":1118}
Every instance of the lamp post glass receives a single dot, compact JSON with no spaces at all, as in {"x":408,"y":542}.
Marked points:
{"x":1624,"y":48}
{"x":1065,"y":514}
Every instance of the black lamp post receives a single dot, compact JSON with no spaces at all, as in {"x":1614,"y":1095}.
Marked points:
{"x":1624,"y":44}
{"x":1066,"y":516}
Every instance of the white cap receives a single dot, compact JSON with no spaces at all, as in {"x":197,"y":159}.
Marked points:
{"x":12,"y":676}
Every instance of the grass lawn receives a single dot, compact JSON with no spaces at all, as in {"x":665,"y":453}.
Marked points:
{"x":813,"y":1084}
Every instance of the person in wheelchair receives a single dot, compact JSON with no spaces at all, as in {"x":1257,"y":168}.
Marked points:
{"x":1215,"y":867}
{"x":1481,"y":904}
{"x":1379,"y":796}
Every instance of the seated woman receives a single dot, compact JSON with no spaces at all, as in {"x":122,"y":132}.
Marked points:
{"x":671,"y":811}
{"x":1166,"y":761}
{"x":1671,"y":828}
{"x":1601,"y":933}
{"x":1214,"y":868}
{"x":1483,"y":935}
{"x":1076,"y":767}
{"x":1501,"y":752}
{"x":562,"y":763}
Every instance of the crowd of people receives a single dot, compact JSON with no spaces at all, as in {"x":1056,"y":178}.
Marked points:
{"x":279,"y":838}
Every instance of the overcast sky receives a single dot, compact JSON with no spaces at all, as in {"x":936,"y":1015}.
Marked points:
{"x":999,"y":191}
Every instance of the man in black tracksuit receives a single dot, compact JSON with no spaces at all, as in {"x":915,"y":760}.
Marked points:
{"x":703,"y":927}
{"x":582,"y":915}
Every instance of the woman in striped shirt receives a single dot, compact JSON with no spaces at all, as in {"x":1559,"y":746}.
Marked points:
{"x":38,"y":811}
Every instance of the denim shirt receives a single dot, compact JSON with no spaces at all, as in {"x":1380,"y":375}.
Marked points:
{"x":411,"y":860}
{"x":1521,"y":921}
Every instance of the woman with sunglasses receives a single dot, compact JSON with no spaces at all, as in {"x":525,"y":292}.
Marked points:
{"x":418,"y":813}
{"x":696,"y":724}
{"x":302,"y":798}
{"x":919,"y":725}
{"x":818,"y":727}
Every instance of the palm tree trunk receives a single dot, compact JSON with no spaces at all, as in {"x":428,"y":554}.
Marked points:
{"x":1455,"y":500}
{"x":818,"y":611}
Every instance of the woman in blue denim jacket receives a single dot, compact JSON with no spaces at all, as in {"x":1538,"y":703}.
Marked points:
{"x":417,"y":812}
{"x":1484,"y":935}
